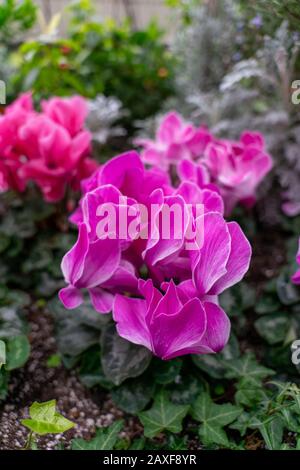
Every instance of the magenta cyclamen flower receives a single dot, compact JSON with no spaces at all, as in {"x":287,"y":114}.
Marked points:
{"x":296,"y":276}
{"x":238,"y":168}
{"x":172,"y":324}
{"x":175,"y":310}
{"x":50,"y":148}
{"x":175,"y":140}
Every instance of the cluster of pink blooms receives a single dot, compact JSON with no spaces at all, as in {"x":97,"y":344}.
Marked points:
{"x":162,"y":296}
{"x":235,"y":167}
{"x":50,"y":147}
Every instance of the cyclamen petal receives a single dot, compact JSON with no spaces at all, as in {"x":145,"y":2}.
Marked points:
{"x":72,"y":264}
{"x":209,"y":264}
{"x":130,"y":314}
{"x":179,"y":333}
{"x":173,"y":328}
{"x":70,"y":113}
{"x":296,"y":276}
{"x":101,"y":299}
{"x":71,"y":297}
{"x":218,"y":327}
{"x":238,"y":261}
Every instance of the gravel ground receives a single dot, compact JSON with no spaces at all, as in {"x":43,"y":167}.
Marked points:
{"x":38,"y":382}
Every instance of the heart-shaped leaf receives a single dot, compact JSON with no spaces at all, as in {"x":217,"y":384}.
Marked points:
{"x":44,"y":419}
{"x":120,"y":358}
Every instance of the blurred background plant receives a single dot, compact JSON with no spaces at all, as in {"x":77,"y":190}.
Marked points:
{"x":15,"y":19}
{"x":95,"y":58}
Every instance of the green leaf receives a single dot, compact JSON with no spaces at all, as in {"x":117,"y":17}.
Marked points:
{"x":2,"y":353}
{"x":105,"y":439}
{"x":287,"y":292}
{"x":214,"y":364}
{"x":3,"y":384}
{"x":247,"y":368}
{"x":213,"y":418}
{"x":166,"y":371}
{"x":134,"y":395}
{"x":10,"y":323}
{"x":271,"y":429}
{"x":242,"y":423}
{"x":121,"y":359}
{"x":18,"y":350}
{"x":91,"y":372}
{"x":44,"y":419}
{"x":273,"y":327}
{"x":187,"y":390}
{"x":176,"y":443}
{"x":249,"y":394}
{"x":54,"y":361}
{"x":78,"y":330}
{"x":163,"y":416}
{"x":267,"y":304}
{"x":138,"y":444}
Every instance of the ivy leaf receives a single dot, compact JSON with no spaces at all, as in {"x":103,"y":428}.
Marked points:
{"x":242,"y":423}
{"x":18,"y":350}
{"x":121,"y":359}
{"x":163,"y":416}
{"x":105,"y":439}
{"x":290,"y":419}
{"x":213,"y":418}
{"x":271,"y":430}
{"x":247,"y":368}
{"x":248,"y":394}
{"x":177,"y":442}
{"x":138,"y":444}
{"x":2,"y":353}
{"x":44,"y":419}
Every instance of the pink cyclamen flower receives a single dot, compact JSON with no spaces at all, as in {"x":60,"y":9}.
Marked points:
{"x":175,"y":140}
{"x":54,"y":158}
{"x":50,"y":148}
{"x":12,"y":153}
{"x":97,"y":267}
{"x":237,"y":168}
{"x":172,"y":324}
{"x":296,"y":276}
{"x":126,"y":173}
{"x":70,"y":113}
